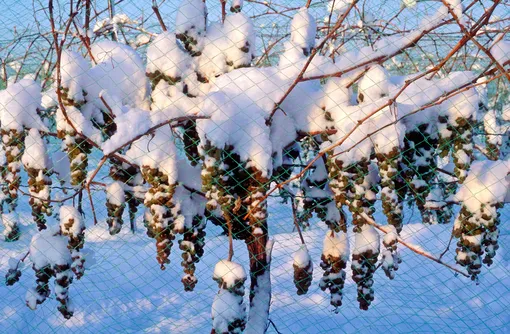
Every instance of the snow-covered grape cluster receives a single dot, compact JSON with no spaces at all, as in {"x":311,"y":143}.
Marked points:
{"x":222,"y":171}
{"x":192,"y":245}
{"x":420,"y":165}
{"x":318,"y":198}
{"x":55,"y":253}
{"x":128,"y":191}
{"x":334,"y":258}
{"x":13,"y":143}
{"x":455,"y":128}
{"x":162,"y":212}
{"x":73,"y":227}
{"x":38,"y":167}
{"x":19,"y":113}
{"x":476,"y":225}
{"x":303,"y":270}
{"x":228,"y":309}
{"x":115,"y":204}
{"x":76,"y":146}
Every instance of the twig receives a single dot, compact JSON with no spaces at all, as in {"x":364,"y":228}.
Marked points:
{"x":274,"y":326}
{"x":230,"y":238}
{"x":338,"y":24}
{"x":412,"y":247}
{"x":47,"y":200}
{"x":110,"y":111}
{"x":269,"y":48}
{"x":296,"y":223}
{"x":155,"y":8}
{"x":445,"y":172}
{"x":447,"y":247}
{"x":22,"y":260}
{"x":155,"y":127}
{"x":89,"y":181}
{"x":481,"y":47}
{"x":223,"y":10}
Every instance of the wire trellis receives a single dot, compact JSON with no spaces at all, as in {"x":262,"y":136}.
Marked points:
{"x":282,"y":166}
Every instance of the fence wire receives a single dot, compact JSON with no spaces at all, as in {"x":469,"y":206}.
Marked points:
{"x":281,"y":166}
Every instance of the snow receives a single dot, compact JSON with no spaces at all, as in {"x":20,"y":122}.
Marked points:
{"x":457,"y":8}
{"x":336,"y":245}
{"x":506,"y":113}
{"x":81,"y":124}
{"x":345,"y":119}
{"x":156,"y":151}
{"x":434,"y":199}
{"x":384,"y":47}
{"x":115,"y":21}
{"x":190,"y":16}
{"x":501,"y":51}
{"x":119,"y":71}
{"x":492,"y":128}
{"x":61,"y":166}
{"x":367,"y":240}
{"x":339,"y":6}
{"x":165,"y":55}
{"x":9,"y":221}
{"x":35,"y":154}
{"x":73,"y":71}
{"x":227,"y":46}
{"x":239,"y":104}
{"x":239,"y":33}
{"x":49,"y":248}
{"x":487,"y":183}
{"x":464,"y":104}
{"x":409,"y":3}
{"x":261,"y":302}
{"x":18,"y":106}
{"x":115,"y":194}
{"x":191,"y":20}
{"x":213,"y":61}
{"x":391,"y":236}
{"x":226,"y":306}
{"x":189,"y":175}
{"x":32,"y":297}
{"x":303,"y":30}
{"x":238,"y":113}
{"x":422,"y":92}
{"x":237,"y":5}
{"x":191,"y":203}
{"x":424,"y":296}
{"x":74,"y":228}
{"x":229,"y":272}
{"x":374,"y":84}
{"x":302,"y":257}
{"x":132,"y":123}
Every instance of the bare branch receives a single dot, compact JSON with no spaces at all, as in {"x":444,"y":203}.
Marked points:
{"x":155,"y":8}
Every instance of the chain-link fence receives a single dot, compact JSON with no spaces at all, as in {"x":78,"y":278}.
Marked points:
{"x":280,"y":166}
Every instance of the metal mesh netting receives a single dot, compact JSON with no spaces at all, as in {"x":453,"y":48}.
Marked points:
{"x":282,"y":166}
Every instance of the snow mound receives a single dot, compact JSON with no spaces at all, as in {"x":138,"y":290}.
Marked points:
{"x":35,"y":154}
{"x":487,"y":183}
{"x":167,"y":56}
{"x":49,"y":248}
{"x":18,"y":106}
{"x":229,"y":272}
